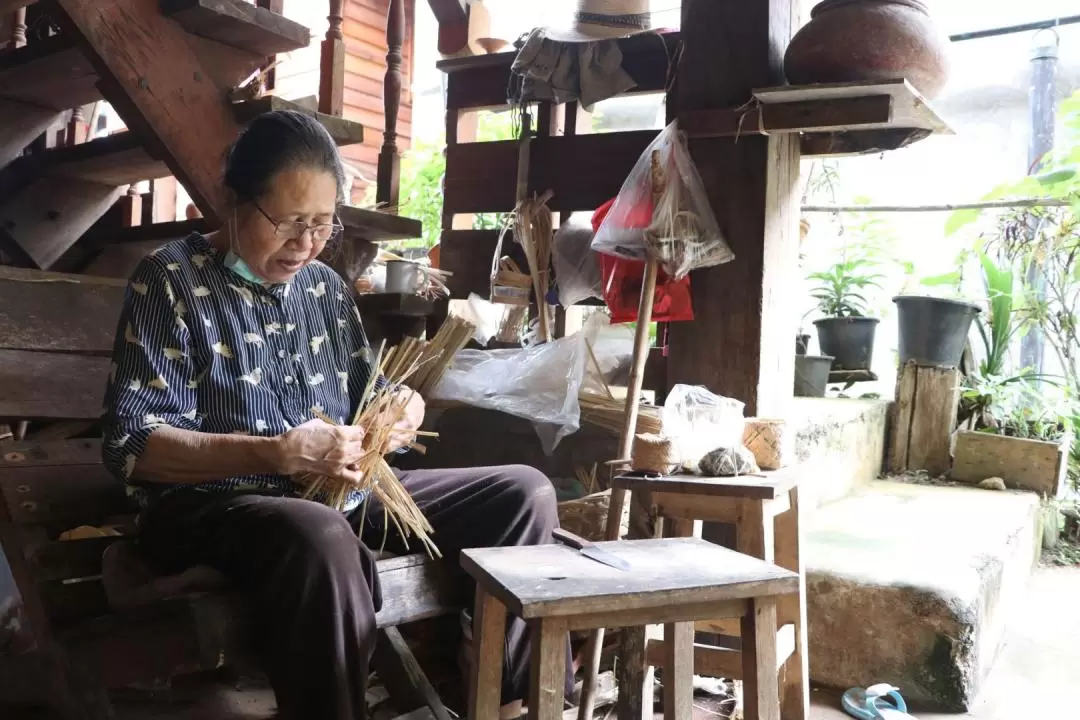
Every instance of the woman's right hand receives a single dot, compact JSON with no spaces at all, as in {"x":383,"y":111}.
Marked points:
{"x":319,"y":448}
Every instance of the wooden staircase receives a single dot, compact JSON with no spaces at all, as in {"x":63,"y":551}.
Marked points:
{"x":167,"y":68}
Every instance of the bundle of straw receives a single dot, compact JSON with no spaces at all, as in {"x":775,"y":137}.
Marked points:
{"x":534,"y":232}
{"x":607,"y":412}
{"x":431,"y":358}
{"x":379,"y":411}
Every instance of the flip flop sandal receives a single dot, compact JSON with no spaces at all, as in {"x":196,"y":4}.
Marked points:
{"x":877,"y":702}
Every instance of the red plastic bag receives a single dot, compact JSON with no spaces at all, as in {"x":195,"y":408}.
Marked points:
{"x":622,"y":280}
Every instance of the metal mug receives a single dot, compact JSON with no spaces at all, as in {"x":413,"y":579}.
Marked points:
{"x":404,"y":277}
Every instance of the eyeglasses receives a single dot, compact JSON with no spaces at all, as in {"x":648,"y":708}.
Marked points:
{"x":294,"y":230}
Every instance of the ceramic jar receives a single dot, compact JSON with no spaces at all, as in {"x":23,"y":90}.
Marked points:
{"x":869,"y":40}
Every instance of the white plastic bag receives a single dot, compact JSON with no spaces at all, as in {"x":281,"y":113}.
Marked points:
{"x":671,"y":220}
{"x":577,"y":268}
{"x":539,"y":383}
{"x":699,"y":422}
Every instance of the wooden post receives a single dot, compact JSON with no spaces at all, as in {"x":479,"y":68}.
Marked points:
{"x":332,"y":64}
{"x":739,"y":345}
{"x":389,"y":172}
{"x":923,"y":419}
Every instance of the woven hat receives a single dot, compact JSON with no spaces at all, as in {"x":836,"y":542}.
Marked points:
{"x":604,"y":20}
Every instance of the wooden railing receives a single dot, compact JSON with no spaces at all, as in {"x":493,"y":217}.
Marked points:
{"x":332,"y":91}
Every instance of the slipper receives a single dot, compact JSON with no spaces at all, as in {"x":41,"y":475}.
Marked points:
{"x":877,"y":702}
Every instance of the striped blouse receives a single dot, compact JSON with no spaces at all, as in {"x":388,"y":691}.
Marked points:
{"x":200,"y":348}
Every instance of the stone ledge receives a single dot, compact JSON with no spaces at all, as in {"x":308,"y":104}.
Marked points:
{"x":909,"y":584}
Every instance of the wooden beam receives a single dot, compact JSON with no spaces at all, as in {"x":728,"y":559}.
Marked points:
{"x":160,"y":87}
{"x":481,"y":177}
{"x":344,"y":132}
{"x":52,"y":73}
{"x":51,"y":386}
{"x":58,"y":312}
{"x":144,"y":233}
{"x":23,"y":122}
{"x":238,"y":24}
{"x":118,"y":159}
{"x":745,"y":305}
{"x":450,"y":11}
{"x":804,"y":116}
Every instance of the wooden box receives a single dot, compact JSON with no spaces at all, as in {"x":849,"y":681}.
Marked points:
{"x":1032,"y":465}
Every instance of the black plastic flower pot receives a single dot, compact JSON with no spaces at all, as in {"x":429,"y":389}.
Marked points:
{"x":812,"y":375}
{"x":848,"y":339}
{"x":802,"y":344}
{"x":933,"y":331}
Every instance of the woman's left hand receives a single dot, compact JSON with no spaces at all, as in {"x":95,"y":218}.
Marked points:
{"x":411,"y":419}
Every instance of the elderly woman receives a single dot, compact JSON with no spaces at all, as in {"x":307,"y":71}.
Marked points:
{"x":227,"y":346}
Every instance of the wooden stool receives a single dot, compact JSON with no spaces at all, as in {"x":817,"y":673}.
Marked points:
{"x":764,"y":508}
{"x":674,"y":581}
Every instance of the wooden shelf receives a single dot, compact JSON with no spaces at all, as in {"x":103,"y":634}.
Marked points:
{"x":376,"y":226}
{"x":344,"y":132}
{"x":833,"y":118}
{"x":396,"y":304}
{"x":116,"y":160}
{"x":239,"y":25}
{"x":51,"y":73}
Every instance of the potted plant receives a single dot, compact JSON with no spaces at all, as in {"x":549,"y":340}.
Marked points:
{"x":846,"y":332}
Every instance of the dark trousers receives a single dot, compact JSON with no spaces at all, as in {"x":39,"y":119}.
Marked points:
{"x":314,"y":588}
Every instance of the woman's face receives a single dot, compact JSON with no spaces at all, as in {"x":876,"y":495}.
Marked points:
{"x":296,"y":195}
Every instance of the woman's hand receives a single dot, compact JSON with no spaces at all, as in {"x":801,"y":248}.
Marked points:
{"x":319,"y":448}
{"x":411,"y":419}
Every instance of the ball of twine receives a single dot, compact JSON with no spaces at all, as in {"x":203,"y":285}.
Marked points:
{"x":653,"y":453}
{"x":769,"y":439}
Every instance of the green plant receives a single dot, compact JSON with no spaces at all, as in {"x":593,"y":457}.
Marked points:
{"x":841,"y":289}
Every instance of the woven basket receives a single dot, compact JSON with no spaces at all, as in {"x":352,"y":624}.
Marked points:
{"x":770,"y":440}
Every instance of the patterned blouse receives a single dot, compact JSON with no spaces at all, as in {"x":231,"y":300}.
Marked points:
{"x":200,"y":348}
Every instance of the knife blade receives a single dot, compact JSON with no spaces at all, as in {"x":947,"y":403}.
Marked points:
{"x":589,"y":550}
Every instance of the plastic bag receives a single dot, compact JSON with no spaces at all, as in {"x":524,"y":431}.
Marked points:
{"x":577,"y":265}
{"x":673,"y":221}
{"x":622,"y":281}
{"x":486,"y":316}
{"x":539,"y":383}
{"x":699,"y":422}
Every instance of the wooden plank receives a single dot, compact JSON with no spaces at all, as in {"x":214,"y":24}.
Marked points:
{"x":51,"y":73}
{"x":679,"y":661}
{"x":404,"y":678}
{"x":761,"y":682}
{"x":238,"y":24}
{"x":791,"y":611}
{"x":1023,"y":464}
{"x":760,"y":486}
{"x":63,"y":498}
{"x":547,"y":668}
{"x":394,"y":304}
{"x":668,"y":573}
{"x":50,"y":454}
{"x":160,"y":86}
{"x":489,"y":634}
{"x":449,"y":11}
{"x":49,"y":216}
{"x":43,"y":385}
{"x":376,"y":226}
{"x":924,"y":419}
{"x":344,"y":132}
{"x":872,"y":111}
{"x":909,"y":108}
{"x":481,"y":177}
{"x":57,"y":312}
{"x":725,"y":662}
{"x":161,"y":231}
{"x":118,"y":159}
{"x":23,"y":123}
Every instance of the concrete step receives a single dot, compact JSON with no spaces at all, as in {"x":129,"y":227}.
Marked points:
{"x":911,"y":584}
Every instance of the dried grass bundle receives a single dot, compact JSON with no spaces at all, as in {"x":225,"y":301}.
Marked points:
{"x":430,"y":358}
{"x":609,"y":413}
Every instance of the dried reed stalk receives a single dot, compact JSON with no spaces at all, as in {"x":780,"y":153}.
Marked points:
{"x":419,"y":366}
{"x":609,"y":413}
{"x":534,"y":232}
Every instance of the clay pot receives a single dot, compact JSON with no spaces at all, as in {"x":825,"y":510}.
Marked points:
{"x":869,"y":40}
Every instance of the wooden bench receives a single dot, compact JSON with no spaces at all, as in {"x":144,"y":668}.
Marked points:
{"x":55,"y":336}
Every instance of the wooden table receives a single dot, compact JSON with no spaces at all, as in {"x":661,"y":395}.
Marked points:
{"x":674,"y":581}
{"x":764,"y":509}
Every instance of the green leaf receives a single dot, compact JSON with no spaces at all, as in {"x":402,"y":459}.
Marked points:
{"x":959,"y":219}
{"x":1057,"y":176}
{"x":952,"y":278}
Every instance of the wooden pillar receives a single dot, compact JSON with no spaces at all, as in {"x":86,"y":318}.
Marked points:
{"x":18,"y":28}
{"x":389,"y":173}
{"x":739,"y":345}
{"x":332,"y":64}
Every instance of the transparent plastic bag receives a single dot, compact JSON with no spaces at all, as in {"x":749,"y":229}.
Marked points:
{"x":539,"y":383}
{"x":577,"y":266}
{"x":662,"y":212}
{"x":699,"y":422}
